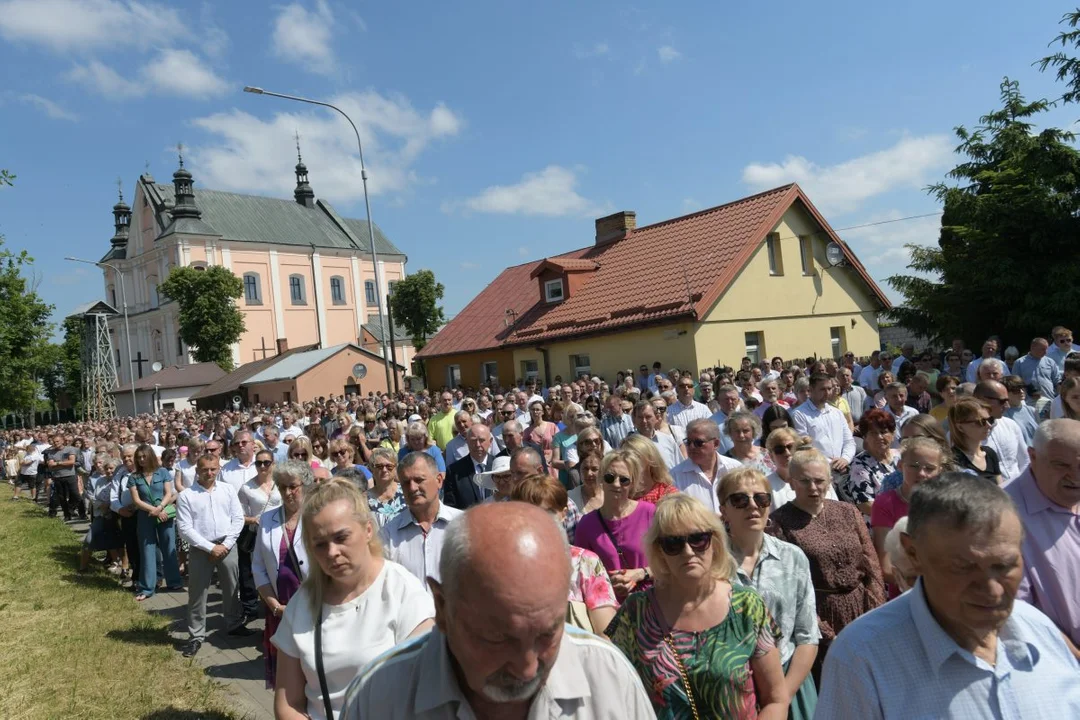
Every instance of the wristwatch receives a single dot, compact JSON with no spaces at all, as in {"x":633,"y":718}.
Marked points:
{"x":648,"y":575}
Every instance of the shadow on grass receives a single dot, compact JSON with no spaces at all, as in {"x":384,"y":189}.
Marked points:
{"x":144,"y":632}
{"x":170,"y":713}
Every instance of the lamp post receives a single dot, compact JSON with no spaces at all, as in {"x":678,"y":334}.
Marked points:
{"x":367,"y":207}
{"x":127,"y":330}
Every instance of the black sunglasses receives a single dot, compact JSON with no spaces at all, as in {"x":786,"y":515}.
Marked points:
{"x":699,"y":443}
{"x":741,"y":501}
{"x":263,"y":463}
{"x":674,"y":544}
{"x":610,"y":479}
{"x":300,"y":456}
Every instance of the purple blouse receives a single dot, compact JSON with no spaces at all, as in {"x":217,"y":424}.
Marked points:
{"x":628,"y":534}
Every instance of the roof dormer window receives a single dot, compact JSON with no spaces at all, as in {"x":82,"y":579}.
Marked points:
{"x":553,"y":291}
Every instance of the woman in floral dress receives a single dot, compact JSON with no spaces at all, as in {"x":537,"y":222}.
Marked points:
{"x":384,"y":498}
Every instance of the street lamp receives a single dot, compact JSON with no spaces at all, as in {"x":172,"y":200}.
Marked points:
{"x":127,"y":330}
{"x":367,"y":207}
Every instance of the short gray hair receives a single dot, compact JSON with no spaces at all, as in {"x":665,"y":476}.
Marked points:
{"x":416,"y":430}
{"x":1051,"y":430}
{"x":957,"y":500}
{"x":992,"y":363}
{"x":743,"y":416}
{"x":512,"y":426}
{"x":417,"y":457}
{"x":712,"y":430}
{"x":293,"y":470}
{"x":354,"y":476}
{"x":531,"y":452}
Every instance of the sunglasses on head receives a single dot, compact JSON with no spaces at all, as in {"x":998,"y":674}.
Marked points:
{"x":674,"y":544}
{"x":263,"y":463}
{"x":741,"y":500}
{"x":611,"y":478}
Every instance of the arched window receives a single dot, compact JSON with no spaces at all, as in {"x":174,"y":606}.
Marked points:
{"x":198,"y":265}
{"x":337,"y":290}
{"x":252,"y":288}
{"x":297,"y":290}
{"x":369,"y":292}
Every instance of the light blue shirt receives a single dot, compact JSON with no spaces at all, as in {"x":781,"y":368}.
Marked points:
{"x":1058,"y":355}
{"x":1025,"y":417}
{"x":1042,"y":372}
{"x":898,"y":662}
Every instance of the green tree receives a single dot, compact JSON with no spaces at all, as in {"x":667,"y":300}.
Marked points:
{"x":414,"y":304}
{"x":1066,"y":68}
{"x":24,"y":328}
{"x":1006,"y":260}
{"x":210,"y":321}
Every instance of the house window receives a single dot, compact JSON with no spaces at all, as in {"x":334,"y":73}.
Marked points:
{"x":776,"y":258}
{"x":152,"y":291}
{"x":753,"y":347}
{"x":256,"y":398}
{"x":252,"y":291}
{"x":489,"y":373}
{"x":198,"y":265}
{"x":112,"y":294}
{"x":296,"y":290}
{"x":836,"y":340}
{"x":337,"y":290}
{"x":530,"y":369}
{"x":453,"y":375}
{"x":369,"y":292}
{"x":392,"y":284}
{"x":168,"y":406}
{"x":553,"y":291}
{"x":581,"y":365}
{"x":287,"y":396}
{"x":806,"y":252}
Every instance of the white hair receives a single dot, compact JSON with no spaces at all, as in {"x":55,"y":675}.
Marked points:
{"x":1051,"y":430}
{"x":992,"y":363}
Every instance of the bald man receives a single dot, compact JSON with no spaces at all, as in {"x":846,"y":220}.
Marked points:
{"x":500,"y":635}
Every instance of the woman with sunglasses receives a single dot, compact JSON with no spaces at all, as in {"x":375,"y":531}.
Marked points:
{"x":279,"y":561}
{"x":343,"y":453}
{"x":384,"y":498}
{"x":969,"y":427}
{"x":704,"y":646}
{"x":589,"y":439}
{"x":615,"y":530}
{"x":320,"y":450}
{"x":300,"y":449}
{"x":678,"y":433}
{"x":781,"y":445}
{"x":843,"y":563}
{"x":780,"y":572}
{"x":259,"y":494}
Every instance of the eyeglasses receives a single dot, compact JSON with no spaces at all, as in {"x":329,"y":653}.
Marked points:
{"x":1065,"y":340}
{"x":1001,"y":401}
{"x":983,"y":422}
{"x":674,"y":544}
{"x":784,"y":449}
{"x":741,"y":501}
{"x":699,"y":443}
{"x":686,"y":386}
{"x":286,"y":489}
{"x":299,"y":456}
{"x":340,"y":452}
{"x":611,"y":478}
{"x":383,"y":467}
{"x":263,"y":463}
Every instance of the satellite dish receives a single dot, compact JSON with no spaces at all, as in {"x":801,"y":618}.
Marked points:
{"x":236,"y":402}
{"x":834,"y":254}
{"x":359,"y":371}
{"x":156,"y":367}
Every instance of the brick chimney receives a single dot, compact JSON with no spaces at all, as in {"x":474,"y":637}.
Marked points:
{"x":282,"y":345}
{"x":615,"y":227}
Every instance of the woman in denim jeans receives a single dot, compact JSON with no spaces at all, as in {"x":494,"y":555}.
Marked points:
{"x":152,"y":491}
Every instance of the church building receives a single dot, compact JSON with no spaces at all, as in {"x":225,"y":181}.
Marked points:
{"x":308,"y":272}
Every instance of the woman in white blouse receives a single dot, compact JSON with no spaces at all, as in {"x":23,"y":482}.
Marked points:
{"x":354,"y":605}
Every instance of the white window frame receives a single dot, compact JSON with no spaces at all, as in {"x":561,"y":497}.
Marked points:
{"x":338,"y":297}
{"x":549,"y":286}
{"x":528,"y":374}
{"x":775,"y":254}
{"x":453,"y":376}
{"x":753,"y":349}
{"x":806,"y":254}
{"x":836,"y":340}
{"x":257,"y":300}
{"x":580,"y":367}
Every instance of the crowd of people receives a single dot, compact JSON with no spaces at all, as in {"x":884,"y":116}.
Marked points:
{"x":889,"y":537}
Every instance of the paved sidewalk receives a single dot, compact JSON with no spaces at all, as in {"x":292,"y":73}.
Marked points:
{"x":237,"y":662}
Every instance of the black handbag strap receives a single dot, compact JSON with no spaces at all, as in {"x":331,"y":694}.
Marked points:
{"x":329,"y":708}
{"x":611,"y":536}
{"x":289,"y":546}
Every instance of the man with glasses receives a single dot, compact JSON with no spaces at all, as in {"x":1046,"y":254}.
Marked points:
{"x":727,"y":397}
{"x":507,"y":412}
{"x":685,"y":410}
{"x":1006,"y":437}
{"x":462,"y":487}
{"x":699,"y":474}
{"x":1063,"y":345}
{"x":825,"y":425}
{"x":616,"y":425}
{"x":644,"y":380}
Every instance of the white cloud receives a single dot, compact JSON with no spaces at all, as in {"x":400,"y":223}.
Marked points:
{"x":48,"y":107}
{"x":668,"y":54}
{"x":213,"y":40}
{"x":304,"y":36}
{"x":73,"y":25}
{"x":171,"y":72}
{"x":597,"y":50}
{"x":550,"y":192}
{"x":181,"y":72}
{"x":523,"y":251}
{"x":882,"y":245}
{"x":249,"y":154}
{"x":469,"y":265}
{"x":842,"y":188}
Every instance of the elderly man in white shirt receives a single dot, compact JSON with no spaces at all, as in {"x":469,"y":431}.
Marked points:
{"x":209,"y":517}
{"x":699,"y":474}
{"x":645,"y":420}
{"x":686,"y":409}
{"x":1006,"y":437}
{"x":825,"y":425}
{"x":414,"y":537}
{"x":868,"y":376}
{"x":242,"y":467}
{"x":896,"y":394}
{"x":727,"y":396}
{"x":458,"y":447}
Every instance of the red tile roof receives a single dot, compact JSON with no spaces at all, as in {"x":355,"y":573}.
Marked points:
{"x":675,"y":268}
{"x":564,"y":264}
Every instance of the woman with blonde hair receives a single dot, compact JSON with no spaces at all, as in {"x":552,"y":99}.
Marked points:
{"x":563,"y":441}
{"x":781,"y":444}
{"x":353,"y":605}
{"x":654,"y":481}
{"x":743,"y":428}
{"x":780,"y":572}
{"x":704,"y":646}
{"x":300,"y":449}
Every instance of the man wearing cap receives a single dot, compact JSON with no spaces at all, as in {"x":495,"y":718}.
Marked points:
{"x":462,"y":487}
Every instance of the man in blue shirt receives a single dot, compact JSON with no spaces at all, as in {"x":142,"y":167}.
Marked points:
{"x":958,"y":644}
{"x":1040,"y":373}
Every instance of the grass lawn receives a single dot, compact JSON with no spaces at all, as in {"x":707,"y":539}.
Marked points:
{"x":77,"y":646}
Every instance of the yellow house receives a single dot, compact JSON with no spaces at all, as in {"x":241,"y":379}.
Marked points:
{"x":763,"y":276}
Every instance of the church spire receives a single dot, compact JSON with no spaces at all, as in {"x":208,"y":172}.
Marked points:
{"x":184,"y":202}
{"x":303,"y":192}
{"x":121,"y":219}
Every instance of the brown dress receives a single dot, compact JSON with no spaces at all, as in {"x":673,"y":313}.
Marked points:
{"x":843,"y":565}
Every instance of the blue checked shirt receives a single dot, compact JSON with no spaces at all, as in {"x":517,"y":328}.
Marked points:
{"x":897,"y":662}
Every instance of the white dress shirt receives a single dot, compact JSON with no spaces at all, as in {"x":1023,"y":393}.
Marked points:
{"x":456,"y":449}
{"x":668,"y":449}
{"x":693,"y":481}
{"x":906,"y":414}
{"x":827,"y":428}
{"x":867,"y":379}
{"x":119,"y":494}
{"x":203,"y":516}
{"x":682,"y":415}
{"x":237,"y":475}
{"x":407,"y":544}
{"x":1008,"y":442}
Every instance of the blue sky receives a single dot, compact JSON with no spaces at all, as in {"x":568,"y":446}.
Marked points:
{"x":495,"y":132}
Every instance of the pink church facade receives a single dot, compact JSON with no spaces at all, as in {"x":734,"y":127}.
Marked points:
{"x":308,"y":273}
